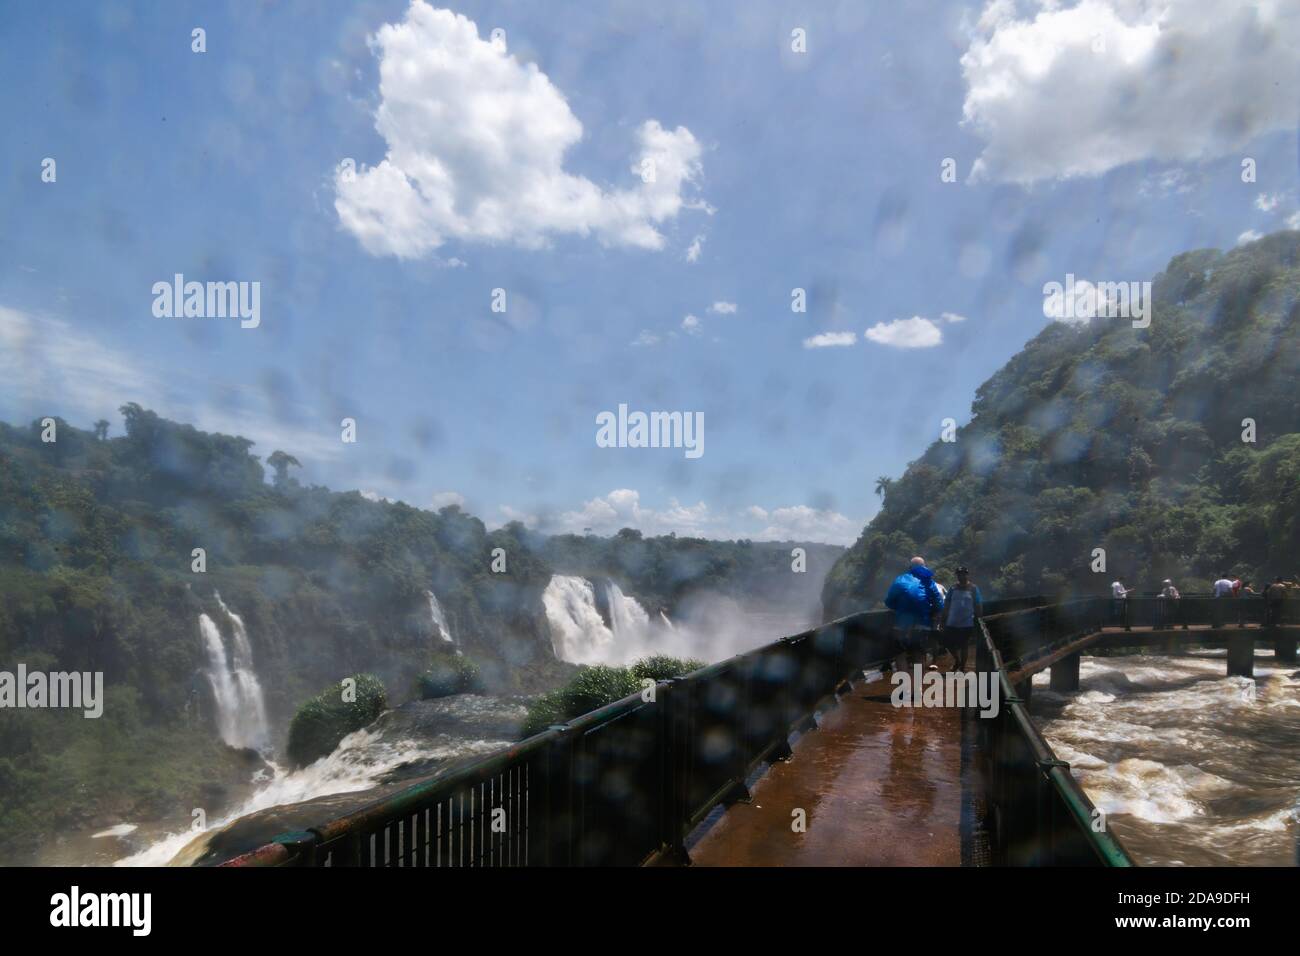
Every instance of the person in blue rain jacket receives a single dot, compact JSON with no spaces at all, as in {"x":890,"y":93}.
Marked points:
{"x":916,"y":604}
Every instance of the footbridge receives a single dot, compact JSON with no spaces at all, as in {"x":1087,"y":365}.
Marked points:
{"x":794,"y":754}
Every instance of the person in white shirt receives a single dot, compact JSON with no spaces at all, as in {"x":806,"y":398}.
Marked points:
{"x":1222,"y":589}
{"x":1119,"y":602}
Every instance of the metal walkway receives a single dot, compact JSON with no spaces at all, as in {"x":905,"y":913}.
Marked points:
{"x":878,"y":785}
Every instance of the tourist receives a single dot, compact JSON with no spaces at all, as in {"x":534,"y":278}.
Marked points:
{"x":916,"y":604}
{"x":1119,"y":602}
{"x":1274,"y":595}
{"x":1243,"y":592}
{"x":1222,"y":590}
{"x":962,"y":609}
{"x":1165,"y":606}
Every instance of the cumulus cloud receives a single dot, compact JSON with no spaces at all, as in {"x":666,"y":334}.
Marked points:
{"x":952,"y":317}
{"x":693,"y":250}
{"x":442,"y":499}
{"x":914,"y":333}
{"x":1061,"y":91}
{"x":826,"y":340}
{"x":723,"y":308}
{"x":691,"y":324}
{"x":801,"y":523}
{"x":476,"y":143}
{"x":623,"y":508}
{"x":645,"y":339}
{"x":1250,"y":235}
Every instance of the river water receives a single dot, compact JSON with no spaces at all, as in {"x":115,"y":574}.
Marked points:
{"x":1190,"y":766}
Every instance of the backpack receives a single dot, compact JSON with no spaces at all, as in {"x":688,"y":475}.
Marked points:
{"x":908,"y":595}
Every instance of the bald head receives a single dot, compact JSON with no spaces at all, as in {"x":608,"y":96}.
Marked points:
{"x":918,"y":562}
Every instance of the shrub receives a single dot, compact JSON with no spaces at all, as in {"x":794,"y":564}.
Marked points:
{"x":450,"y":675}
{"x":327,"y":718}
{"x":598,"y":685}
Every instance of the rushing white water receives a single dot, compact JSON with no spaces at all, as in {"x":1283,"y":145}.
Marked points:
{"x":241,"y":706}
{"x":578,"y":633}
{"x":628,"y":619}
{"x":439,"y":619}
{"x":711,"y":627}
{"x":1191,"y":766}
{"x":358,"y":763}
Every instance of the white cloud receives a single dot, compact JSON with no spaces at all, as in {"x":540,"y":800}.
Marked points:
{"x":825,"y":340}
{"x":1267,"y":202}
{"x":442,"y":499}
{"x":691,"y":325}
{"x":801,"y":523}
{"x":1165,"y":182}
{"x":914,"y":333}
{"x":693,"y":251}
{"x":645,"y":339}
{"x":51,"y":367}
{"x":1293,"y":221}
{"x":476,"y":142}
{"x":1163,"y":80}
{"x":1250,"y":235}
{"x":1084,"y":309}
{"x":623,"y":508}
{"x":723,"y":308}
{"x":952,"y":317}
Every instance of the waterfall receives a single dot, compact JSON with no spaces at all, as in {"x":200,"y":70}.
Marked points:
{"x":440,"y":626}
{"x":628,"y":619}
{"x":578,"y":633}
{"x":241,"y":707}
{"x":663,"y":616}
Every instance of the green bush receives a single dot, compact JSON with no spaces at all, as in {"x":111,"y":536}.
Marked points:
{"x":450,"y":675}
{"x":598,"y":685}
{"x":327,"y":718}
{"x":663,"y":667}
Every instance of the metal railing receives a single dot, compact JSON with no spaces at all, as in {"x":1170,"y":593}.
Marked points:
{"x":1036,"y":814}
{"x":622,"y":783}
{"x":1202,"y":610}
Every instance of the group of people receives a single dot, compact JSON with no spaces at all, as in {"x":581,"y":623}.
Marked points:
{"x":931,"y":619}
{"x":1225,"y":587}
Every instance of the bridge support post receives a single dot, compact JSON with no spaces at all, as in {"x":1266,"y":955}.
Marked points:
{"x":1284,"y":648}
{"x":1065,"y":674}
{"x":1025,"y":689}
{"x":1241,"y":654}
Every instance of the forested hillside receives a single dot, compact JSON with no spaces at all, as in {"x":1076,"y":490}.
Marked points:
{"x":96,"y":574}
{"x":1106,"y":436}
{"x":97,"y":541}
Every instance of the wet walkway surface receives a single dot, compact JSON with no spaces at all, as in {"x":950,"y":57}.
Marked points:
{"x":880,"y":786}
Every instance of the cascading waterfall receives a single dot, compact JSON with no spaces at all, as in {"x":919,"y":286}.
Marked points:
{"x":440,"y":626}
{"x":628,"y":619}
{"x":241,"y":706}
{"x":578,"y":633}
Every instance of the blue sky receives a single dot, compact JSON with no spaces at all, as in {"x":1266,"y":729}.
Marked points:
{"x":1096,"y":138}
